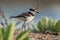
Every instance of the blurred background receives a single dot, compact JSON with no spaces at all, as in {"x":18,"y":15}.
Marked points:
{"x":50,"y":8}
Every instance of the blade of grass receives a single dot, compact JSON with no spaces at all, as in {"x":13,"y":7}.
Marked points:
{"x":1,"y":34}
{"x":22,"y":35}
{"x":9,"y":32}
{"x":57,"y":26}
{"x":34,"y":29}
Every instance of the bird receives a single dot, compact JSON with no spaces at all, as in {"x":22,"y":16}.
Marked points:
{"x":26,"y":17}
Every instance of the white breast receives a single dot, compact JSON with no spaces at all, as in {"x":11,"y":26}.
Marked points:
{"x":29,"y":19}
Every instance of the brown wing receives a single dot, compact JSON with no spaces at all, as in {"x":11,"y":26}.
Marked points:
{"x":22,"y":15}
{"x":25,"y":14}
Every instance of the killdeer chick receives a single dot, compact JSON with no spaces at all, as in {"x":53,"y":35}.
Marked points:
{"x":26,"y":17}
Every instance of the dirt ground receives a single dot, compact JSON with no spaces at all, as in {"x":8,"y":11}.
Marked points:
{"x":39,"y":36}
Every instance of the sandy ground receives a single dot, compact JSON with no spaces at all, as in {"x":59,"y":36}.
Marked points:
{"x":39,"y":36}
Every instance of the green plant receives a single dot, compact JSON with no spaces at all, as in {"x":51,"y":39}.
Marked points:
{"x":22,"y":35}
{"x":45,"y":24}
{"x":57,"y":26}
{"x":34,"y":29}
{"x":7,"y":33}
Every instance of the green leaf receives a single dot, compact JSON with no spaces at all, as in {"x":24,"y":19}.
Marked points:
{"x":57,"y":26}
{"x":9,"y":32}
{"x":39,"y":26}
{"x":26,"y":38}
{"x":34,"y":29}
{"x":22,"y":35}
{"x":1,"y":34}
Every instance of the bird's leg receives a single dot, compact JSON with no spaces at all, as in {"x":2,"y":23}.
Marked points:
{"x":24,"y":26}
{"x":28,"y":26}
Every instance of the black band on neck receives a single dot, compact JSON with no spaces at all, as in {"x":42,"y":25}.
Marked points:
{"x":31,"y":13}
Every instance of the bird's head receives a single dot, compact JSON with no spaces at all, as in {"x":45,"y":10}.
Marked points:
{"x":34,"y":10}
